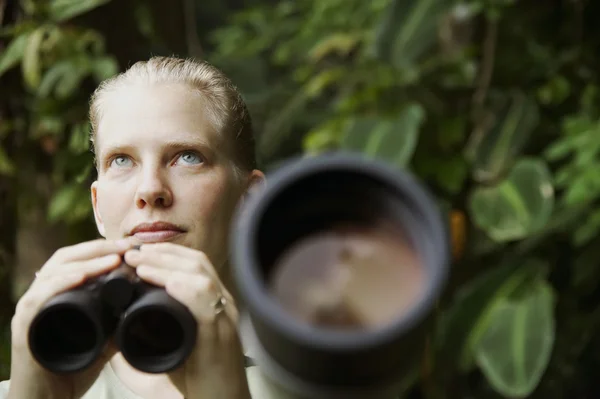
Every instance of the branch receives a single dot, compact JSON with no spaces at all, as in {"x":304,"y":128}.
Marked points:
{"x":480,"y":119}
{"x":487,"y":64}
{"x":191,"y":29}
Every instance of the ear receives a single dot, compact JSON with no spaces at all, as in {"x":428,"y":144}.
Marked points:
{"x":255,"y":183}
{"x":97,"y":217}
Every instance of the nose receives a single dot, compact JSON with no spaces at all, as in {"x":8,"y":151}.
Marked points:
{"x":153,"y":190}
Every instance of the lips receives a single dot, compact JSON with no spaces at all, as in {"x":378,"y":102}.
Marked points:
{"x":156,"y":232}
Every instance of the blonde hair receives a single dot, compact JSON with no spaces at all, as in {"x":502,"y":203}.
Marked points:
{"x":226,"y":108}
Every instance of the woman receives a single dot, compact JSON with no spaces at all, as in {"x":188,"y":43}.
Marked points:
{"x":175,"y":156}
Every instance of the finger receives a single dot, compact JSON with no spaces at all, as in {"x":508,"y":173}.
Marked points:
{"x":162,"y":260}
{"x":154,"y":275}
{"x":89,"y":268}
{"x":180,"y":251}
{"x":90,"y":249}
{"x":198,"y":294}
{"x":188,"y":260}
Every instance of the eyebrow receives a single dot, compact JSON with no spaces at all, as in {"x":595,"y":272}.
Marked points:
{"x":177,"y":144}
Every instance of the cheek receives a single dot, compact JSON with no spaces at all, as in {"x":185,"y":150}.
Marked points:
{"x":113,"y":203}
{"x":211,"y":202}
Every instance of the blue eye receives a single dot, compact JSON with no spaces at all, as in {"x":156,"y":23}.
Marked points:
{"x":191,"y":158}
{"x":121,"y":161}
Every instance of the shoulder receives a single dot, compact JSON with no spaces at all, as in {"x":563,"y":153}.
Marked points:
{"x":4,"y":386}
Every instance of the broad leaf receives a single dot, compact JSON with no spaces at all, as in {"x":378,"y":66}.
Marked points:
{"x":64,"y":201}
{"x":517,"y":206}
{"x":104,"y":67}
{"x":13,"y":53}
{"x":31,"y":65}
{"x":79,"y":141}
{"x":515,"y":350}
{"x":392,"y":140}
{"x":6,"y":165}
{"x":409,"y":28}
{"x":463,"y":325}
{"x":504,"y":141}
{"x":61,"y":10}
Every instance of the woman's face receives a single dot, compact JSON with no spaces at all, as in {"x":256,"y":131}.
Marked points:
{"x":160,"y":160}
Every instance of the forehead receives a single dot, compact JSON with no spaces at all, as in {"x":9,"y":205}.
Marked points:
{"x":148,"y":115}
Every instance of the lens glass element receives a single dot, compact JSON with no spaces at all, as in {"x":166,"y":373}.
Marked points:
{"x":348,"y":277}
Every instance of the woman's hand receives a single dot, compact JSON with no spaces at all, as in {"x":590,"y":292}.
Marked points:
{"x":215,"y":368}
{"x":66,"y":269}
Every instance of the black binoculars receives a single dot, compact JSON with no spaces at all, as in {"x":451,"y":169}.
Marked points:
{"x":154,"y":332}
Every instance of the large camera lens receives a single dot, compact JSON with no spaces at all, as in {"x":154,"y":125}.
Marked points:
{"x":339,"y":262}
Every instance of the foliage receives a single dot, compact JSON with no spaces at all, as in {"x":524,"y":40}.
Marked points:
{"x":491,"y":103}
{"x":56,"y":59}
{"x":476,"y":99}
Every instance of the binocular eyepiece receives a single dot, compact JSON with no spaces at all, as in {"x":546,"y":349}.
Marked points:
{"x":154,"y":332}
{"x":339,"y":262}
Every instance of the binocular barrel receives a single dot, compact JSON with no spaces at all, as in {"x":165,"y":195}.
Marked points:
{"x":154,"y":332}
{"x":339,"y":262}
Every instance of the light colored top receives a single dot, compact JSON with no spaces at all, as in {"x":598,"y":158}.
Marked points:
{"x":109,"y":386}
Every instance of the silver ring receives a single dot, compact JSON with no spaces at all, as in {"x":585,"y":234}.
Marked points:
{"x":219,"y":304}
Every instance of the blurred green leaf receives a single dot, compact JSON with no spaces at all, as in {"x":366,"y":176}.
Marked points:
{"x":7,"y":167}
{"x":322,"y":80}
{"x":507,"y":137}
{"x":31,"y":65}
{"x":515,"y":349}
{"x":589,"y":230}
{"x":61,"y":10}
{"x":339,"y":43}
{"x":104,"y":67}
{"x":65,"y":201}
{"x":392,"y":140}
{"x":79,"y":141}
{"x":408,"y":29}
{"x":13,"y":53}
{"x":555,"y":91}
{"x":518,"y":206}
{"x":468,"y":318}
{"x":324,"y":137}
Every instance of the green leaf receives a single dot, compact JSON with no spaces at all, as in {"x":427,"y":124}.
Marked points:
{"x":104,"y":68}
{"x":61,"y":10}
{"x":63,"y":201}
{"x":79,"y":141}
{"x":518,"y":206}
{"x":31,"y":66}
{"x":506,"y":138}
{"x":516,"y":348}
{"x":53,"y":76}
{"x":588,"y":231}
{"x":13,"y":53}
{"x":392,"y":140}
{"x":323,"y":137}
{"x":465,"y":322}
{"x":408,"y":29}
{"x":339,"y":43}
{"x":7,"y":167}
{"x":82,"y":208}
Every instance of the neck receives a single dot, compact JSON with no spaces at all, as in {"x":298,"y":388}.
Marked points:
{"x":143,"y":384}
